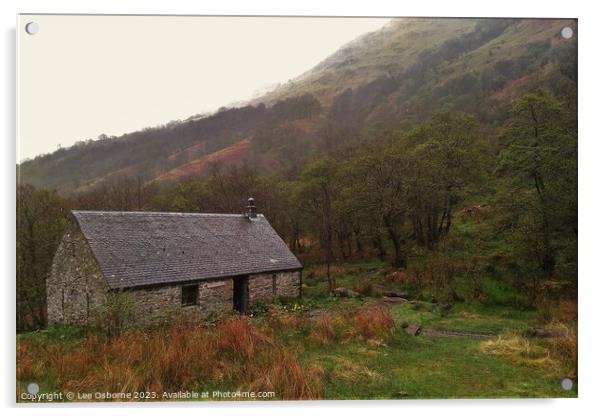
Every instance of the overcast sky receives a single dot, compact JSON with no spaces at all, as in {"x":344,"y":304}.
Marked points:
{"x":81,"y":76}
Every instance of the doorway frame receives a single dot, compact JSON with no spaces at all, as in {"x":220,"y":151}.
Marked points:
{"x":240,"y":294}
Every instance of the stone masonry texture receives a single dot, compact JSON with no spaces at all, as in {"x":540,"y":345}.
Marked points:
{"x":75,"y":288}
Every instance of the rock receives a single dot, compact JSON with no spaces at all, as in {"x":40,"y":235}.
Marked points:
{"x":413,"y":329}
{"x":397,"y":294}
{"x":542,"y":333}
{"x":344,"y":292}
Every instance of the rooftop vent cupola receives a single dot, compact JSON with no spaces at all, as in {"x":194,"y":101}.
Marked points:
{"x":251,"y":209}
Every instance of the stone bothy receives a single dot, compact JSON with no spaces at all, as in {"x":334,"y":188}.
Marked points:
{"x":169,"y":264}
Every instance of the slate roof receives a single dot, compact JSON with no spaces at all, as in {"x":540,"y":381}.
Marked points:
{"x":148,"y":248}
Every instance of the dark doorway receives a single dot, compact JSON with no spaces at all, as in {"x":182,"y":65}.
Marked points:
{"x":241,"y":294}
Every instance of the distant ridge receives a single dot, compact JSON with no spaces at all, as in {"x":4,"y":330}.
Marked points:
{"x":388,"y":79}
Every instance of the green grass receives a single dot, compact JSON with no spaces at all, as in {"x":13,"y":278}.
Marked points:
{"x":423,"y":368}
{"x":469,"y":317}
{"x":441,"y":368}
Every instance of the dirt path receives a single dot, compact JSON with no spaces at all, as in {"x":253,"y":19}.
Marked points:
{"x":441,"y":333}
{"x":417,"y":330}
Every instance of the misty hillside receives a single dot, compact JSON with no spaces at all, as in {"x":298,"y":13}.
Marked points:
{"x":389,"y":79}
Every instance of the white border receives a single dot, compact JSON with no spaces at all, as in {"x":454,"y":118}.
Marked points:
{"x":590,"y":96}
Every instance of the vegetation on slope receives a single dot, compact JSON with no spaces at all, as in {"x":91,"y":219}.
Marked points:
{"x":393,"y":78}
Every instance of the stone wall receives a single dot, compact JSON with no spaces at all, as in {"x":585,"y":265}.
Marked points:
{"x":289,"y":284}
{"x":164,"y":303}
{"x":266,"y":287}
{"x":75,"y":288}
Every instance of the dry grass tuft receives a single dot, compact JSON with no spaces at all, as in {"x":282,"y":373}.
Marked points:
{"x":169,"y":359}
{"x":567,"y":311}
{"x":372,"y":324}
{"x":278,"y":320}
{"x":375,"y":323}
{"x":564,"y":349}
{"x":323,"y":331}
{"x":470,"y":315}
{"x":520,"y":350}
{"x":350,"y":370}
{"x":29,"y":368}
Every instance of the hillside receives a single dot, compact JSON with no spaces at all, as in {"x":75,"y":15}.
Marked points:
{"x":389,"y":79}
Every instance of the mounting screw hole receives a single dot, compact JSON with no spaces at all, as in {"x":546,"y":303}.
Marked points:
{"x":32,"y":28}
{"x":566,"y":32}
{"x":566,"y":384}
{"x":33,"y":388}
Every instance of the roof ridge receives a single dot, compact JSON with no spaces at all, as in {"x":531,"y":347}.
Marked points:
{"x":157,"y":213}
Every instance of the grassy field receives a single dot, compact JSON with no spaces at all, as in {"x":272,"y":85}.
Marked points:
{"x":320,"y":347}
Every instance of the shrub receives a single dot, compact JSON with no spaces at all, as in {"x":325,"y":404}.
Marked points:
{"x":116,"y":313}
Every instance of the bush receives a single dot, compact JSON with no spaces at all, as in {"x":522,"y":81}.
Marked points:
{"x":117,"y":313}
{"x":258,"y":309}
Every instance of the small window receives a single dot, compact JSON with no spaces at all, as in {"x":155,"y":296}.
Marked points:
{"x":190,"y":295}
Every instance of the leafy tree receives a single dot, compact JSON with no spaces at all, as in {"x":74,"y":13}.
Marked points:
{"x":379,"y":192}
{"x":318,"y":191}
{"x":540,"y":160}
{"x":41,"y":220}
{"x":446,"y":159}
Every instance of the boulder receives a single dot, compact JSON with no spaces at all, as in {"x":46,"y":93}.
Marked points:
{"x":542,"y":333}
{"x":397,"y":294}
{"x":413,"y":329}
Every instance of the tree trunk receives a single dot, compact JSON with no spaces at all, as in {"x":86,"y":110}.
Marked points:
{"x":398,"y":259}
